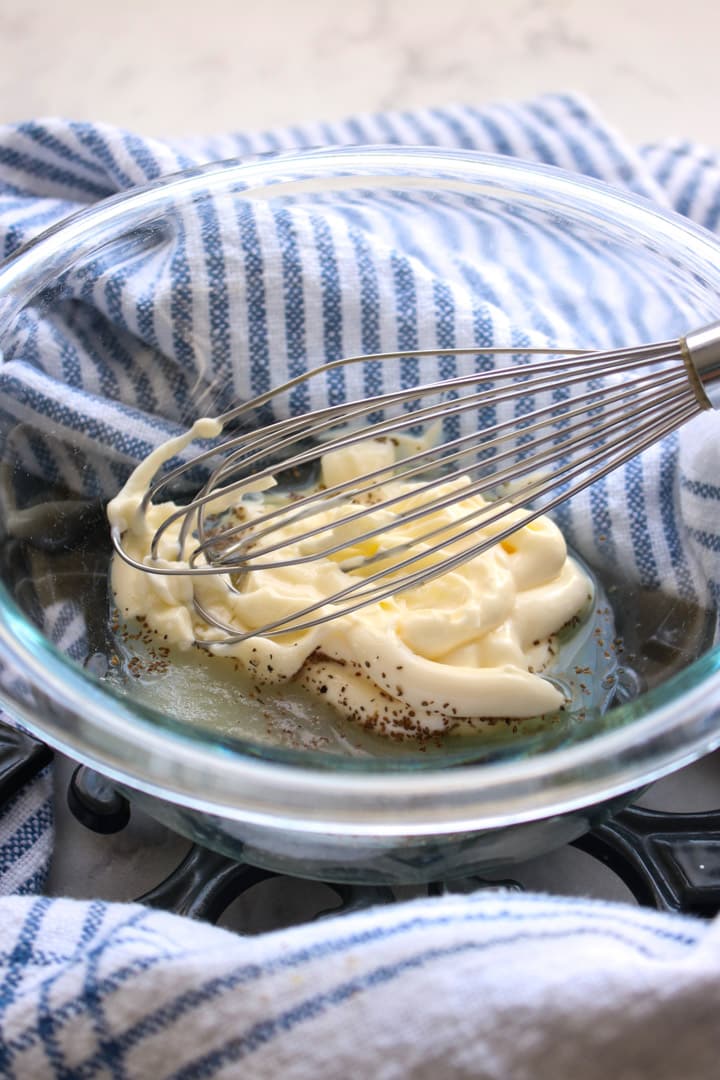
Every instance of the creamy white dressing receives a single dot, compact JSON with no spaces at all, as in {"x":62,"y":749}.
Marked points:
{"x":471,"y":643}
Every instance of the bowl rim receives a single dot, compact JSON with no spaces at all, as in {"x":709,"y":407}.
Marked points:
{"x":202,"y":775}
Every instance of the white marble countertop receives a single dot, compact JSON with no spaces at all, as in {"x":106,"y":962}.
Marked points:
{"x":173,"y":67}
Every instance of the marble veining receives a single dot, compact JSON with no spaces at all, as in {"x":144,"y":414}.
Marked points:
{"x":162,"y":70}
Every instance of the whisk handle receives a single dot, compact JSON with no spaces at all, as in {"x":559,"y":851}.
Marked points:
{"x":701,"y":350}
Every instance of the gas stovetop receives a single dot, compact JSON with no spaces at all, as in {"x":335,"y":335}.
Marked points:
{"x":663,"y":852}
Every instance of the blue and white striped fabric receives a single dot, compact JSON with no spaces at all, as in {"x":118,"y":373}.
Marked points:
{"x":467,"y":986}
{"x":502,"y":987}
{"x":26,"y":836}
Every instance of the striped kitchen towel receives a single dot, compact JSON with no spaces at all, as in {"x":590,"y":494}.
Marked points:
{"x":499,"y":986}
{"x":496,"y":986}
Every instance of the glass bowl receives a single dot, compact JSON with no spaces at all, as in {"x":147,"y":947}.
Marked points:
{"x":189,"y":282}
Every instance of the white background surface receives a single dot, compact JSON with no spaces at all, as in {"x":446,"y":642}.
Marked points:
{"x":178,"y":68}
{"x":173,"y":67}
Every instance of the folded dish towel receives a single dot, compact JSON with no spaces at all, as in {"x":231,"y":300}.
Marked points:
{"x":503,"y":987}
{"x":500,"y":987}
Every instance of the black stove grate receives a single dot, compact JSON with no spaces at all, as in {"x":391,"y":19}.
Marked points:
{"x":668,"y":861}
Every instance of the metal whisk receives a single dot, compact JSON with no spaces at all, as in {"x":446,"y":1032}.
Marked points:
{"x":548,"y":429}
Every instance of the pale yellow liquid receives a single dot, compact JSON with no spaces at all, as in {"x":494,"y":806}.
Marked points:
{"x":211,"y":692}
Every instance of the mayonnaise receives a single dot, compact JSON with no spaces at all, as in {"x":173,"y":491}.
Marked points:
{"x":468,"y":644}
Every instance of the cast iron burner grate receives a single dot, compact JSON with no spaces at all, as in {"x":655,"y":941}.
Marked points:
{"x":668,"y":861}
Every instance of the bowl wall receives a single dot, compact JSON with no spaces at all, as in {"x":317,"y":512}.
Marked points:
{"x":122,"y":325}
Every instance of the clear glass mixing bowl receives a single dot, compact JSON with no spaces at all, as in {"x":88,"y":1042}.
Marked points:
{"x":299,"y":811}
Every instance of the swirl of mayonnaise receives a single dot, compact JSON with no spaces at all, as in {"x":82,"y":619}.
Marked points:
{"x":467,"y":644}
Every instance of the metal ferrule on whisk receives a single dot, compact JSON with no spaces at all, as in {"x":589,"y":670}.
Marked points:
{"x":701,"y":352}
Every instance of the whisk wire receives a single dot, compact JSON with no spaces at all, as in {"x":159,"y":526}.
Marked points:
{"x":283,"y":516}
{"x":604,"y":408}
{"x":362,"y":597}
{"x":252,"y":449}
{"x":328,"y":416}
